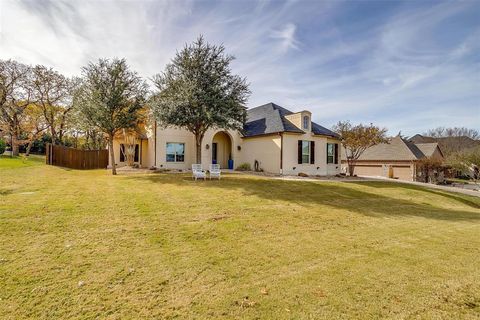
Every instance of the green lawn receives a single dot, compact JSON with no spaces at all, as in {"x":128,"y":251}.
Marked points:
{"x":88,"y":245}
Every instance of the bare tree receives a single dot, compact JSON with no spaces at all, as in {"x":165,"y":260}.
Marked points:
{"x":33,"y":126}
{"x":53,"y":94}
{"x":443,"y":132}
{"x":15,"y":96}
{"x":356,"y":139}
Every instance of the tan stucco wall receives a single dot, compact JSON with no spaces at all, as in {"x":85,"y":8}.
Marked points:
{"x":165,"y":135}
{"x":173,"y":135}
{"x":297,"y":119}
{"x":320,"y":167}
{"x":266,"y":150}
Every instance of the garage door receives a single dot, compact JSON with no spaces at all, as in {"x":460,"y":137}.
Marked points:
{"x":368,"y":170}
{"x":402,"y":172}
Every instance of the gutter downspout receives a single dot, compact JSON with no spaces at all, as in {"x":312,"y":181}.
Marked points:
{"x":155,"y":145}
{"x":281,"y":153}
{"x":140,"y":151}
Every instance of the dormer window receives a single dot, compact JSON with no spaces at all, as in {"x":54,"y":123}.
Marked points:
{"x":306,"y":120}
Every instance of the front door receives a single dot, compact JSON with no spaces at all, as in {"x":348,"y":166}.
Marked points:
{"x":214,"y":153}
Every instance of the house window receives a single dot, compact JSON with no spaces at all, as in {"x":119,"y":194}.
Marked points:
{"x":306,"y":121}
{"x":305,"y":151}
{"x":175,"y":152}
{"x":123,"y":155}
{"x":332,"y":149}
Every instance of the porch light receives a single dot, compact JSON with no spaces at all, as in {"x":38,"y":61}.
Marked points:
{"x":239,"y":148}
{"x":207,"y":146}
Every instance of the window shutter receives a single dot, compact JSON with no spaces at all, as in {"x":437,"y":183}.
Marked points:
{"x":336,"y":153}
{"x":299,"y":151}
{"x":312,"y":152}
{"x":136,"y":153}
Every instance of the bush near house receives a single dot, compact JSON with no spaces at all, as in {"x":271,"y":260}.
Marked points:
{"x":244,"y":167}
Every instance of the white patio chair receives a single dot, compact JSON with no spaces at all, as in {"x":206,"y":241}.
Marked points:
{"x":215,"y":171}
{"x":198,"y":173}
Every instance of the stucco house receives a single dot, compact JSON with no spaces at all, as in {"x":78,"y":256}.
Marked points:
{"x":273,"y":139}
{"x":398,"y":158}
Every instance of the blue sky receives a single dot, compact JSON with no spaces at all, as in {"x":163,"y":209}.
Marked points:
{"x":408,"y":66}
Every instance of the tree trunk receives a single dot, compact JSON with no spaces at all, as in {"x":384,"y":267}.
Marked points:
{"x":54,"y":135}
{"x":112,"y":156}
{"x":351,"y":167}
{"x":351,"y":170}
{"x":29,"y":146}
{"x":198,"y":142}
{"x":14,"y":145}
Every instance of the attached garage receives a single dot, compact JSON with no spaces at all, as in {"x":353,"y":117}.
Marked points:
{"x":396,"y":159}
{"x":368,"y":170}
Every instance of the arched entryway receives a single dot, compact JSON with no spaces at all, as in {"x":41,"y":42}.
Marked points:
{"x":221,"y":149}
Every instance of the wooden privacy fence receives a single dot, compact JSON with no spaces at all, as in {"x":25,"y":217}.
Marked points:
{"x":76,"y":158}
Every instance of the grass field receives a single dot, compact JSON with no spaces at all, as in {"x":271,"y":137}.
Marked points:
{"x":88,"y":245}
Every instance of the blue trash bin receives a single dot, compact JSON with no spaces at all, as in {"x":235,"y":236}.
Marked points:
{"x":230,"y":164}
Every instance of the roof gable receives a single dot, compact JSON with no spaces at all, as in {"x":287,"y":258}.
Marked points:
{"x":270,"y":118}
{"x":428,"y":149}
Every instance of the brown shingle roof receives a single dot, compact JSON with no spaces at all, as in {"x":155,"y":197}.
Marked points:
{"x":398,"y":149}
{"x":395,"y":149}
{"x":427,"y":148}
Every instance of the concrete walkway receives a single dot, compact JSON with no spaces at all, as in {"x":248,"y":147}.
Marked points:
{"x":436,"y":186}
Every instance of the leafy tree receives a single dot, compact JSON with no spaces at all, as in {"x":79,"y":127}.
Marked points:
{"x":15,"y":96}
{"x":358,"y":138}
{"x":83,"y":134}
{"x":467,"y":161}
{"x":110,"y":98}
{"x":197,"y":91}
{"x":53,"y":94}
{"x":3,"y":146}
{"x":428,"y":167}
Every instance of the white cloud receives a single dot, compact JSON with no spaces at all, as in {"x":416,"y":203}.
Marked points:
{"x":383,"y":73}
{"x":287,"y":37}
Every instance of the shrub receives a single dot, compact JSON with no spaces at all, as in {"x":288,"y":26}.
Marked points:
{"x":244,"y":167}
{"x":3,"y":146}
{"x":301,"y":174}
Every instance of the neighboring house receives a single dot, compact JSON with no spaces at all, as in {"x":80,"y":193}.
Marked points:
{"x":398,"y":158}
{"x":273,"y":139}
{"x":448,"y":144}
